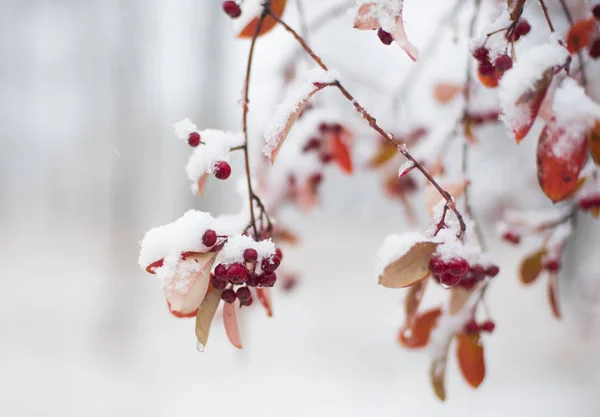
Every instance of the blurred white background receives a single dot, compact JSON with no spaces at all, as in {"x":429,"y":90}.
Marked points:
{"x":89,"y":91}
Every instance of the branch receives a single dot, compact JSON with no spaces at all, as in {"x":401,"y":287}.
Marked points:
{"x":373,"y":123}
{"x":546,"y":15}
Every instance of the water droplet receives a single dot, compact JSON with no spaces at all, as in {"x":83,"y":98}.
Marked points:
{"x":199,"y":346}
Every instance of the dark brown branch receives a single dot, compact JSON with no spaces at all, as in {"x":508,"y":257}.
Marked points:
{"x":373,"y":123}
{"x":546,"y":15}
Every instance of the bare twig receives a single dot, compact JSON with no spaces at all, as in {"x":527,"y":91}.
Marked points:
{"x":546,"y":15}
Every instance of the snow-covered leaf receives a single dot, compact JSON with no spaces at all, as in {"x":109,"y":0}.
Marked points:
{"x":399,"y":35}
{"x":418,"y":335}
{"x":471,"y":362}
{"x":264,"y":296}
{"x":364,"y":19}
{"x":205,"y":315}
{"x":404,"y":260}
{"x":251,"y":15}
{"x":231,"y":324}
{"x":580,"y":34}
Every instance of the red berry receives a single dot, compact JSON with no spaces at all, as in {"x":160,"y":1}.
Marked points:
{"x":596,"y":11}
{"x":477,"y":272}
{"x":313,"y":143}
{"x":315,"y":179}
{"x":218,"y":282}
{"x":492,"y":270}
{"x":228,"y":295}
{"x":595,"y":49}
{"x":511,"y":238}
{"x":221,"y":271}
{"x":471,"y":327}
{"x":209,"y":238}
{"x":503,"y":62}
{"x":194,"y":139}
{"x":326,"y":158}
{"x":486,"y":69}
{"x":523,"y":28}
{"x":267,"y":279}
{"x":252,"y":280}
{"x":385,"y":37}
{"x":237,"y":273}
{"x":449,"y":280}
{"x":487,"y":326}
{"x":222,"y":170}
{"x":553,"y":265}
{"x":323,"y":127}
{"x":279,"y":254}
{"x":437,"y":266}
{"x":457,"y":266}
{"x":269,"y":265}
{"x":247,"y":303}
{"x":481,"y":53}
{"x":337,"y":128}
{"x":232,"y":9}
{"x":243,"y":294}
{"x":250,"y":255}
{"x":467,"y":283}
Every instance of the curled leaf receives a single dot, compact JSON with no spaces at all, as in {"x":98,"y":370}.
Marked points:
{"x":399,"y":35}
{"x":471,"y":362}
{"x":531,"y":267}
{"x":413,"y":266}
{"x":530,"y":102}
{"x":264,"y":296}
{"x":594,"y":142}
{"x":231,"y":325}
{"x":418,"y":335}
{"x":205,"y":314}
{"x":277,"y":7}
{"x":560,"y":157}
{"x":413,"y":299}
{"x":580,"y":34}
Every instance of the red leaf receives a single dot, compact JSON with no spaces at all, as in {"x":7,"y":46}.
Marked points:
{"x":277,"y":7}
{"x":418,"y":336}
{"x":580,"y":34}
{"x":341,"y":154}
{"x":560,"y":158}
{"x":469,"y":352}
{"x":531,"y":102}
{"x":594,"y":142}
{"x":231,"y":324}
{"x":264,"y":296}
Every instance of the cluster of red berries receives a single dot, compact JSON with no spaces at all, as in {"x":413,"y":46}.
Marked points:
{"x":486,"y":68}
{"x":315,"y":143}
{"x":457,"y":271}
{"x":232,"y":9}
{"x":246,"y":274}
{"x":385,"y":37}
{"x":222,"y":169}
{"x":472,"y":327}
{"x":522,"y":29}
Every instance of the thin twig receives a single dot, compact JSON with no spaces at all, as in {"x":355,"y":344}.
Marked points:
{"x":546,"y":15}
{"x":373,"y":123}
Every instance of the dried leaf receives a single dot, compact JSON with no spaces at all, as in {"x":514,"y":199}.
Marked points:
{"x":580,"y":34}
{"x":471,"y":362}
{"x":410,"y":268}
{"x":458,"y":298}
{"x":264,"y":296}
{"x":515,"y":8}
{"x":560,"y":158}
{"x":399,"y":35}
{"x":413,"y":299}
{"x":552,"y":295}
{"x":594,"y":142}
{"x":205,"y":314}
{"x":418,"y":335}
{"x":433,"y":196}
{"x":385,"y":153}
{"x":277,"y":7}
{"x":231,"y":325}
{"x":282,"y":234}
{"x":531,"y":267}
{"x":437,"y":374}
{"x":364,"y":20}
{"x":341,"y":154}
{"x":530,"y":102}
{"x":445,"y":92}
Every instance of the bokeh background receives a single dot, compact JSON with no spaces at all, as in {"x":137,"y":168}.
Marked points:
{"x":89,"y":91}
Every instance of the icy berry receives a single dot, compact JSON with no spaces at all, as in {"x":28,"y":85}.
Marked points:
{"x":221,"y":271}
{"x":481,"y":53}
{"x":209,"y":238}
{"x":222,"y":170}
{"x":385,"y":37}
{"x":458,"y":266}
{"x":596,"y":11}
{"x":503,"y":62}
{"x":437,"y":266}
{"x":492,"y":270}
{"x":243,"y":294}
{"x":250,"y":255}
{"x":477,"y":272}
{"x":228,"y":295}
{"x":523,"y":28}
{"x":312,"y":144}
{"x":552,"y":265}
{"x":218,"y":282}
{"x":487,"y":326}
{"x":232,"y":9}
{"x":247,"y":303}
{"x":194,"y":139}
{"x":267,"y":279}
{"x":449,"y":280}
{"x":595,"y":49}
{"x":467,"y":283}
{"x":486,"y":69}
{"x":269,"y":265}
{"x":471,"y":327}
{"x":279,"y":254}
{"x":511,"y":237}
{"x":237,"y":273}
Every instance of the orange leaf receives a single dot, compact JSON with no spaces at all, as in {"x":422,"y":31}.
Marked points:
{"x":530,"y":102}
{"x":201,"y":184}
{"x":445,"y":92}
{"x":552,"y":296}
{"x":205,"y":315}
{"x":531,"y":267}
{"x":231,"y":325}
{"x":277,"y":7}
{"x":341,"y":154}
{"x":560,"y":158}
{"x":413,"y":300}
{"x":264,"y":296}
{"x":385,"y":153}
{"x":469,"y":352}
{"x":413,"y":266}
{"x":418,"y":336}
{"x":580,"y":34}
{"x":594,"y":142}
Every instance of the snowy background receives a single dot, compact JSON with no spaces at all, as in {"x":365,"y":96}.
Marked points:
{"x":89,"y":92}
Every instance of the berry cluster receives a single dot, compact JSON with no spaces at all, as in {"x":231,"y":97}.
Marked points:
{"x":486,"y":68}
{"x":522,"y":29}
{"x":511,"y":237}
{"x":251,"y":273}
{"x":232,"y":9}
{"x":472,"y":327}
{"x":317,"y":142}
{"x":457,"y":271}
{"x":222,"y":169}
